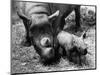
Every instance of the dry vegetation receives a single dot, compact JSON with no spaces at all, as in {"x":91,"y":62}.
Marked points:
{"x":26,"y":60}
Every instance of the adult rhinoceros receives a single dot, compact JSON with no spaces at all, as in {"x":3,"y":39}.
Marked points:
{"x":43,"y":22}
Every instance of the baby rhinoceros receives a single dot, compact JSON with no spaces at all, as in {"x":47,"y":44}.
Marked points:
{"x":74,"y":47}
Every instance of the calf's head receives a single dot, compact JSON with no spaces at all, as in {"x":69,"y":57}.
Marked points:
{"x":41,"y":33}
{"x":80,"y":44}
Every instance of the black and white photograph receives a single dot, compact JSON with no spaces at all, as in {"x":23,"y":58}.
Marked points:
{"x":52,"y":37}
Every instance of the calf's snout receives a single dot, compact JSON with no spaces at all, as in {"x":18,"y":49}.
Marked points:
{"x":84,"y":51}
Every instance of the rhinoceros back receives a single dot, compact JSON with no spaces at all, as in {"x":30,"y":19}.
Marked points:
{"x":30,"y":8}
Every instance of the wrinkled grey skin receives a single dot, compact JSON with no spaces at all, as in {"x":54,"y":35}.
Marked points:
{"x":40,"y":26}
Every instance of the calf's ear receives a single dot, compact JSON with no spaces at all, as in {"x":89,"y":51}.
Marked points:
{"x":83,"y":36}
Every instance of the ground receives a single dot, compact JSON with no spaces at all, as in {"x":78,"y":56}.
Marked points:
{"x":26,"y":60}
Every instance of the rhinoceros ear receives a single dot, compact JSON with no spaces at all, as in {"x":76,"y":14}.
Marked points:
{"x":54,"y":15}
{"x":21,"y":15}
{"x":27,"y":21}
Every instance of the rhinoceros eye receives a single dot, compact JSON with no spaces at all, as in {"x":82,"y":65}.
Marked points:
{"x":45,"y":41}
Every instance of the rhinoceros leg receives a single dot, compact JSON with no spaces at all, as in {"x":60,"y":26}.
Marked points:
{"x":27,"y":40}
{"x":61,"y":19}
{"x":77,"y":18}
{"x":26,"y":22}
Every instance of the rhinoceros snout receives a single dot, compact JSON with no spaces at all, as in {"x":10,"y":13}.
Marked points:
{"x":46,"y":42}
